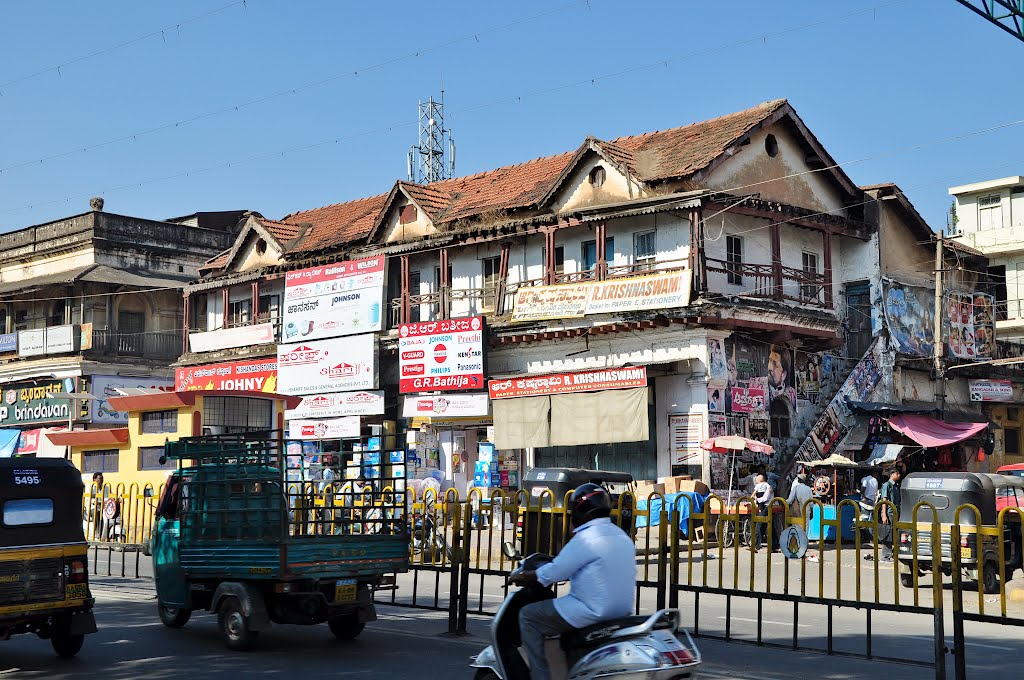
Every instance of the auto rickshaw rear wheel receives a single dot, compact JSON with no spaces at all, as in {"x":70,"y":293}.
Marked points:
{"x":233,"y":625}
{"x":173,"y":617}
{"x":347,"y":627}
{"x":486,"y":674}
{"x":990,"y":578}
{"x":907,"y":580}
{"x":65,"y":644}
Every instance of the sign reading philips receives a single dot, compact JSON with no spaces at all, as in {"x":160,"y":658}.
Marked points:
{"x":333,"y":300}
{"x":441,"y":355}
{"x":326,"y":366}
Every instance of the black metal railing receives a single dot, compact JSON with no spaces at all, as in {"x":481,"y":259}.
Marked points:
{"x":151,"y":345}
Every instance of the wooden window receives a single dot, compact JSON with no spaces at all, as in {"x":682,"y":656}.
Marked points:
{"x":734,"y":260}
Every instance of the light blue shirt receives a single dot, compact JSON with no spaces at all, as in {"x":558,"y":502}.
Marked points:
{"x":600,"y":565}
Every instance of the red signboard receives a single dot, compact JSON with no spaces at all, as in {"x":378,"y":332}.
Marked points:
{"x":239,"y":376}
{"x":441,"y":355}
{"x":339,"y":270}
{"x":565,"y":383}
{"x":747,"y":399}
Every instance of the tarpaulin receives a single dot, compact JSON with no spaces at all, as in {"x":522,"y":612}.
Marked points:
{"x":9,"y":442}
{"x":930,"y":432}
{"x":677,"y":501}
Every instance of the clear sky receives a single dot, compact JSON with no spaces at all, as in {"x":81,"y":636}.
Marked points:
{"x":875,"y":84}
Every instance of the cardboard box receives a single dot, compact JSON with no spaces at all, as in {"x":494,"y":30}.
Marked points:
{"x":693,"y":486}
{"x":645,"y":488}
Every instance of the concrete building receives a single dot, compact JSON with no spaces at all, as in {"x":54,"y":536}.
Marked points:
{"x":88,"y":304}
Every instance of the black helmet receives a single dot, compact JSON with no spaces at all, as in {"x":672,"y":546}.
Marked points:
{"x":589,"y":501}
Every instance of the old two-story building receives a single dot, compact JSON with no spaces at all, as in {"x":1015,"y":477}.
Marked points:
{"x":89,"y":304}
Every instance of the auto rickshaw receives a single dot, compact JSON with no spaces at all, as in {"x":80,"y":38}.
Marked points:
{"x":44,"y":571}
{"x":979,"y":554}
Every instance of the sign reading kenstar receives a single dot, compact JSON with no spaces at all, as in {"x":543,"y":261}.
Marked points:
{"x":333,"y":428}
{"x":324,"y":366}
{"x":340,"y":404}
{"x":441,"y":355}
{"x":238,"y":376}
{"x":448,"y":405}
{"x":565,"y":383}
{"x":333,"y":300}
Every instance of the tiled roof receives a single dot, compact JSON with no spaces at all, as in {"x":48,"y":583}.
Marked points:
{"x":282,"y":231}
{"x":674,"y":153}
{"x":217,"y":261}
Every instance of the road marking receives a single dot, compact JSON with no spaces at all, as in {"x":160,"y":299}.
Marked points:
{"x":969,"y":644}
{"x":773,"y":623}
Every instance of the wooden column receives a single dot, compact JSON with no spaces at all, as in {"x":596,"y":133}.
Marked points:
{"x":602,"y":256}
{"x":698,"y":263}
{"x":255,"y":313}
{"x":499,"y":293}
{"x":225,"y":301}
{"x":549,"y":256}
{"x":827,"y":238}
{"x":445,"y":285}
{"x":777,"y":260}
{"x":184,"y":338}
{"x":406,"y":313}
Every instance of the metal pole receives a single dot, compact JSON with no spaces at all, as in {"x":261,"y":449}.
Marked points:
{"x":940,"y":377}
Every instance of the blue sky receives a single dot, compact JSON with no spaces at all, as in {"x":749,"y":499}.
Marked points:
{"x":871,"y":85}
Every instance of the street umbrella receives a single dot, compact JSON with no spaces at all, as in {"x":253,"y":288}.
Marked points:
{"x":732,"y":444}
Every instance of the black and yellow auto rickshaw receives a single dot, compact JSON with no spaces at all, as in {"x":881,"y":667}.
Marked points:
{"x":44,"y":575}
{"x":979,"y":554}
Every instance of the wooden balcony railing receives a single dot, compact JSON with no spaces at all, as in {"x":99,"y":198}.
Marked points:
{"x":762,"y":281}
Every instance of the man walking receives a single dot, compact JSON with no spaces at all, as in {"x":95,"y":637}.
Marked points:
{"x":890,"y":492}
{"x":763,"y":497}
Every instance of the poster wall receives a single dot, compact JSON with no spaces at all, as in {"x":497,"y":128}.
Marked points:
{"x":909,"y":315}
{"x":345,"y":298}
{"x":326,"y":366}
{"x":758,"y":374}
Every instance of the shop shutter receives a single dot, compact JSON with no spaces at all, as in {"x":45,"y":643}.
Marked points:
{"x":599,"y":417}
{"x":521,"y":423}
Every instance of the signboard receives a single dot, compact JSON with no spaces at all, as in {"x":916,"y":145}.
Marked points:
{"x":333,"y":428}
{"x":32,"y":343}
{"x":60,"y":339}
{"x":86,"y":341}
{"x":686,"y":430}
{"x":566,"y":383}
{"x":8,"y":343}
{"x":344,"y":298}
{"x":568,"y":301}
{"x":748,"y":400}
{"x":105,"y":386}
{"x":970,"y":326}
{"x":26,"y":402}
{"x":227,"y":338}
{"x":449,"y":405}
{"x":325,"y":366}
{"x":259,"y":375}
{"x":441,"y":355}
{"x":990,"y":390}
{"x":365,"y":403}
{"x":793,"y":542}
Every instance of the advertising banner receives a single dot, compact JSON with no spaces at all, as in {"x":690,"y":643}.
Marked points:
{"x":8,"y":343}
{"x":448,"y":405}
{"x":60,"y":339}
{"x":227,"y":338}
{"x":333,"y":428}
{"x":990,"y":390}
{"x":441,"y":355}
{"x":259,"y":375}
{"x":325,"y":366}
{"x":106,"y":386}
{"x":345,"y":298}
{"x":32,"y":343}
{"x":970,"y":326}
{"x":686,"y":432}
{"x":365,"y":403}
{"x":748,"y":400}
{"x":27,"y":403}
{"x":909,"y":312}
{"x":568,"y":301}
{"x":566,"y":383}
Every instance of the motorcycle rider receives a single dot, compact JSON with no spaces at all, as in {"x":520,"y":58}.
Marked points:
{"x":600,"y":564}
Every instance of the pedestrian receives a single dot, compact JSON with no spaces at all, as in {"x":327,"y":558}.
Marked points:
{"x":799,"y":494}
{"x":889,"y":514}
{"x":869,"y":488}
{"x":763,"y":498}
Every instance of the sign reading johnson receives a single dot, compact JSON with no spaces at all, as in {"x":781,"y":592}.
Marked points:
{"x":344,"y":298}
{"x":566,"y":383}
{"x":576,"y":300}
{"x":441,"y":355}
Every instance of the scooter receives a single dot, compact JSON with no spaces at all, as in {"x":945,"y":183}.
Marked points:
{"x":654,"y":647}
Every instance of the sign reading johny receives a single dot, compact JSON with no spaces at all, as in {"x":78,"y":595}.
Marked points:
{"x":344,"y":298}
{"x":324,"y":366}
{"x":441,"y":355}
{"x":568,"y":301}
{"x":366,"y":403}
{"x":565,"y":383}
{"x":246,"y":376}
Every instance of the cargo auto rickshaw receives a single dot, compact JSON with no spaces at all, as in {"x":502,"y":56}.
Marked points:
{"x":236,"y":536}
{"x":978,"y":554}
{"x":44,"y":573}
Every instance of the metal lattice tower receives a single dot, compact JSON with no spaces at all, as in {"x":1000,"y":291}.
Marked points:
{"x":433,"y":159}
{"x":1006,"y":14}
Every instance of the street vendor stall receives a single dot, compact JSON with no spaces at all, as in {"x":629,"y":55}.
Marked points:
{"x":834,"y":483}
{"x":728,"y":501}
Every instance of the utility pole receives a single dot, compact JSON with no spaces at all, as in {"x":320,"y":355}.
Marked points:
{"x":938,"y":345}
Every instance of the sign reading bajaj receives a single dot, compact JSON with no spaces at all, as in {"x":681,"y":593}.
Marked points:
{"x":338,"y":299}
{"x":441,"y":355}
{"x":26,"y":402}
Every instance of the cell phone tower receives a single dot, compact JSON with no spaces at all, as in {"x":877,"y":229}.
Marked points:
{"x":433,"y":159}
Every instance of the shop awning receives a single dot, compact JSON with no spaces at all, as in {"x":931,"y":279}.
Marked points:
{"x":931,"y":432}
{"x":111,"y":437}
{"x":884,"y":453}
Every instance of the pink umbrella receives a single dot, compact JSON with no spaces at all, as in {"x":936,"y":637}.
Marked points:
{"x":734,"y":442}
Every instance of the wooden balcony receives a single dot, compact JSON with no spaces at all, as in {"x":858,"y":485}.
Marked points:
{"x":771,"y":282}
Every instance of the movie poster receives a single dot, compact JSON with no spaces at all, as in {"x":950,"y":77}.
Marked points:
{"x":909,"y":315}
{"x":969,"y":325}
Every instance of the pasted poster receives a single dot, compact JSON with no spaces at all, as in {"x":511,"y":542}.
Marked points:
{"x":758,"y":374}
{"x":716,"y":425}
{"x":969,"y":326}
{"x":758,"y":430}
{"x":718,"y":371}
{"x":686,"y":430}
{"x":909,"y":314}
{"x":716,"y":399}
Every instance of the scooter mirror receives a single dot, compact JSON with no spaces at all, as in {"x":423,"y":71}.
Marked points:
{"x":509,"y":550}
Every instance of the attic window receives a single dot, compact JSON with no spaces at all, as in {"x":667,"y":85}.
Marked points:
{"x":597,"y":176}
{"x":771,"y":146}
{"x":261,"y":246}
{"x":407,"y":214}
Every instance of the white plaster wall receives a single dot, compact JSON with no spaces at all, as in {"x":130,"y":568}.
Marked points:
{"x":757,"y":249}
{"x":578,"y":192}
{"x":18,"y":271}
{"x":680,"y":394}
{"x":395,"y":231}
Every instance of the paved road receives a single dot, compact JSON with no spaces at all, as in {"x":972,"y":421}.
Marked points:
{"x":131,"y":643}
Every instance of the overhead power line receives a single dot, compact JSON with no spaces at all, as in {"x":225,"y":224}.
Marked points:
{"x":162,"y":32}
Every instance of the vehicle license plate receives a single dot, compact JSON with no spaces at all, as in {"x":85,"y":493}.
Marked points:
{"x":75,"y":591}
{"x":345,"y":591}
{"x":965,"y":552}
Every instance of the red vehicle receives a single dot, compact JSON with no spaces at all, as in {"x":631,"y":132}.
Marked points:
{"x":1015,"y":470}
